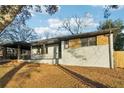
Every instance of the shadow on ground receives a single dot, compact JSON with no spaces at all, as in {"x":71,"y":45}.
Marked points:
{"x":83,"y":79}
{"x":8,"y":76}
{"x":2,"y":63}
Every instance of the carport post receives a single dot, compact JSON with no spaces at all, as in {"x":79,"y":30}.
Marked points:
{"x":5,"y":52}
{"x":31,"y":52}
{"x":18,"y":55}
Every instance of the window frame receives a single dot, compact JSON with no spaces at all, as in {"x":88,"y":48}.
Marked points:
{"x":89,"y":41}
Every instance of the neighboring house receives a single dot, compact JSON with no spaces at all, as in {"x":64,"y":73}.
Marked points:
{"x":87,"y":49}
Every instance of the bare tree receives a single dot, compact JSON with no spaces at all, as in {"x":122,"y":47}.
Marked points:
{"x":22,"y":33}
{"x":76,"y":25}
{"x":46,"y":34}
{"x":73,"y":25}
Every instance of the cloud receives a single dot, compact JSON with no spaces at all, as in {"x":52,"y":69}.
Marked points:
{"x":41,"y":30}
{"x":54,"y":23}
{"x":89,"y":21}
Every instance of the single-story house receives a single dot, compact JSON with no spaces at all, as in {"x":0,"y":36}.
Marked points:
{"x":93,"y":49}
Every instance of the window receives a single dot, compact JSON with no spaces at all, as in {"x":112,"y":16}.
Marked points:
{"x":88,"y":41}
{"x":84,"y":41}
{"x":91,"y":41}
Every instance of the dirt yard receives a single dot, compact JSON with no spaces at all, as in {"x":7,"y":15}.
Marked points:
{"x":34,"y":75}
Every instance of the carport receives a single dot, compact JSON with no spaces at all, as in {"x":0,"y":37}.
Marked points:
{"x":16,"y":50}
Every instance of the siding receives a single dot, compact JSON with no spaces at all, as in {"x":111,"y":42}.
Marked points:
{"x":92,"y":56}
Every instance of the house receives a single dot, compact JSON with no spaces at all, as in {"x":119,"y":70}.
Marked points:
{"x":93,"y":49}
{"x":87,"y":49}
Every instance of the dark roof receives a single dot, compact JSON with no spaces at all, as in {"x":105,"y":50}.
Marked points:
{"x":84,"y":35}
{"x":46,"y":41}
{"x":23,"y":45}
{"x":64,"y":38}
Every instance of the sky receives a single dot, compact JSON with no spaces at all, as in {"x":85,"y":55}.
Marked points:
{"x":43,"y":22}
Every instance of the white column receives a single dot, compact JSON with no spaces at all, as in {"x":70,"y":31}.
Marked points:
{"x":62,"y":47}
{"x":5,"y":52}
{"x":44,"y":49}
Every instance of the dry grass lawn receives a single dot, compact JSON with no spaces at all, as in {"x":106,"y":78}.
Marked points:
{"x":34,"y":75}
{"x":109,"y":77}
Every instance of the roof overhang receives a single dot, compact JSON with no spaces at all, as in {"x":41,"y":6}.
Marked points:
{"x":22,"y":45}
{"x":82,"y":35}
